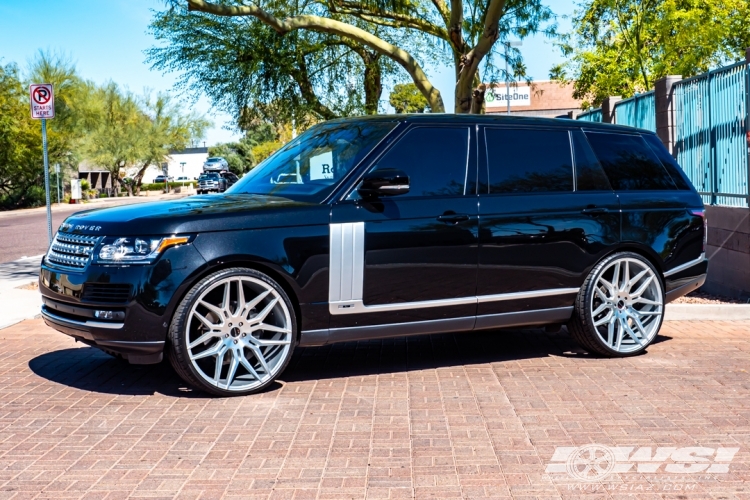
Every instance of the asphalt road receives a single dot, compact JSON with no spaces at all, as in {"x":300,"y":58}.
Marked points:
{"x":23,"y":233}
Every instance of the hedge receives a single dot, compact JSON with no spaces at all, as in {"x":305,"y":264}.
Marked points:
{"x":160,"y":185}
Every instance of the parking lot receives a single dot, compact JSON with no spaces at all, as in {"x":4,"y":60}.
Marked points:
{"x":475,"y":415}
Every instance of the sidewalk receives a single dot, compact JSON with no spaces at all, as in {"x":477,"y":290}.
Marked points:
{"x":95,"y":203}
{"x":18,"y":304}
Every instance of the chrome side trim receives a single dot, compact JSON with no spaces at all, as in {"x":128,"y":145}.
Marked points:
{"x":357,"y":306}
{"x":526,"y":295}
{"x":92,"y":324}
{"x":346,"y":262}
{"x":686,"y":265}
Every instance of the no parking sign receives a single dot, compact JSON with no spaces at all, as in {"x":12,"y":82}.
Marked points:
{"x":42,"y":101}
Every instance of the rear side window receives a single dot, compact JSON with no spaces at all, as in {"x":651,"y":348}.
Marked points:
{"x":675,"y":171}
{"x":434,"y":158}
{"x":529,"y":160}
{"x":629,"y":163}
{"x":589,"y":173}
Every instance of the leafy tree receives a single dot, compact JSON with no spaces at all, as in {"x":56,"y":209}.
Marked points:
{"x":21,"y":171}
{"x":117,"y":140}
{"x":251,"y":72}
{"x":620,"y":47}
{"x":406,"y":98}
{"x":469,"y":29}
{"x":164,"y":129}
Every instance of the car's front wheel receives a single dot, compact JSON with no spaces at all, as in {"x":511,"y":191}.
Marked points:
{"x":233,"y":333}
{"x":619,"y":309}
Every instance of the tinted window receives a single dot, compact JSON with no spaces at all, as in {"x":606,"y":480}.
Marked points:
{"x":523,"y":161}
{"x":589,"y":173}
{"x":675,"y":172}
{"x":434,"y":158}
{"x":629,"y":162}
{"x":311,"y":166}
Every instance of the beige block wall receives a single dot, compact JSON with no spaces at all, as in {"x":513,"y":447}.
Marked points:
{"x":728,"y":251}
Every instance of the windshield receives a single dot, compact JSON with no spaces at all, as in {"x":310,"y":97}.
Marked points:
{"x":209,"y":177}
{"x":309,"y":167}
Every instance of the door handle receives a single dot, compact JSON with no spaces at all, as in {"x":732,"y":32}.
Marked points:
{"x":595,"y":210}
{"x":453,"y":218}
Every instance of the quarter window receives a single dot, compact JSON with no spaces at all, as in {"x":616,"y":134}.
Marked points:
{"x":589,"y":173}
{"x":629,"y":163}
{"x":434,"y":158}
{"x":529,"y":160}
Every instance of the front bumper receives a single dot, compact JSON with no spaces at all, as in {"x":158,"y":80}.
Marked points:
{"x":133,"y":324}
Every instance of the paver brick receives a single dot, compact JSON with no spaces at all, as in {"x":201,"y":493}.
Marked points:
{"x":472,"y":415}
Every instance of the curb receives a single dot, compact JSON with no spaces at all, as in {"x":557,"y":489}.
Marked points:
{"x":707,"y":312}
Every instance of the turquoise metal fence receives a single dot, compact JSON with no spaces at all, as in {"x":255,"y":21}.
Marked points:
{"x":711,"y":133}
{"x":638,"y":111}
{"x":593,"y":115}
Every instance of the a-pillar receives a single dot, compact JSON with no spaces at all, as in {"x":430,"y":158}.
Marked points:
{"x":665,"y":110}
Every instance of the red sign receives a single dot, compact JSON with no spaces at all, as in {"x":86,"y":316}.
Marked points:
{"x":42,"y":100}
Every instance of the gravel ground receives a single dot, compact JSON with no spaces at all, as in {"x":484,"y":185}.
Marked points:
{"x":698,"y":297}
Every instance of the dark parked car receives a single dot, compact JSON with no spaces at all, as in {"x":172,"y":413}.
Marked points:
{"x":216,"y":181}
{"x":162,"y":178}
{"x":383,"y":227}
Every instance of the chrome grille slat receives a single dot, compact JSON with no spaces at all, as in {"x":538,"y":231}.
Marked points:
{"x":72,"y":251}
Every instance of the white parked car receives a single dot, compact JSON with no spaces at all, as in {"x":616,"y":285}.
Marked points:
{"x":216,"y":163}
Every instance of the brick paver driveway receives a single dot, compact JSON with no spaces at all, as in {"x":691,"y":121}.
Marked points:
{"x":445,"y":416}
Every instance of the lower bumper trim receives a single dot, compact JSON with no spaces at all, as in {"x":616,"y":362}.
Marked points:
{"x":72,"y":322}
{"x":685,"y":288}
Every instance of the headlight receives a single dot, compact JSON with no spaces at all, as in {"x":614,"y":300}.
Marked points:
{"x":135,"y":250}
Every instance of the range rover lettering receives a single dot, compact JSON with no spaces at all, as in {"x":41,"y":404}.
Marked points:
{"x":382,"y":227}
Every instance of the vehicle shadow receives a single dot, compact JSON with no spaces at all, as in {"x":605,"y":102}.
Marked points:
{"x":90,"y":369}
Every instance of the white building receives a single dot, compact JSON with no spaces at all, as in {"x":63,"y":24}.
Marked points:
{"x":186,"y":163}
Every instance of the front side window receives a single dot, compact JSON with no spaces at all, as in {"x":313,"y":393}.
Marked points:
{"x":629,"y":163}
{"x":529,"y":160}
{"x":434,"y":158}
{"x":310,"y":167}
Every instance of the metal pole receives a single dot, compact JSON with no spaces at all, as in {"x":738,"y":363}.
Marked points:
{"x":747,"y":118}
{"x":46,"y":180}
{"x":507,"y":83}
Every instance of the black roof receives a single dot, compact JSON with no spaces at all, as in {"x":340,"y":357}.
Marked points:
{"x":494,"y":119}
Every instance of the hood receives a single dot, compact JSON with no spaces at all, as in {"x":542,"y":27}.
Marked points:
{"x":197,"y":214}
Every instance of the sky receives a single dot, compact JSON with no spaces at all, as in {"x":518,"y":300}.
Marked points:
{"x":107,"y":38}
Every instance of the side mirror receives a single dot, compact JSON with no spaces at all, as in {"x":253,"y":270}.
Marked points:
{"x":385,"y":182}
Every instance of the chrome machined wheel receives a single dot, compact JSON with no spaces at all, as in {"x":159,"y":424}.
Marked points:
{"x":627,"y":305}
{"x":238,"y":333}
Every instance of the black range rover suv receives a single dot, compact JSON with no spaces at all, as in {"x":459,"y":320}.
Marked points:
{"x":388,"y":226}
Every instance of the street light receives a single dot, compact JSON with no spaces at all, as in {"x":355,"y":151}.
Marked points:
{"x":508,"y":44}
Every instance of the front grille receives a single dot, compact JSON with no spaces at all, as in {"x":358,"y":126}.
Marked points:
{"x":111,"y":293}
{"x":71,"y":251}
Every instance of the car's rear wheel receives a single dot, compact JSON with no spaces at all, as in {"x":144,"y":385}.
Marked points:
{"x":620,"y":308}
{"x":233,"y":333}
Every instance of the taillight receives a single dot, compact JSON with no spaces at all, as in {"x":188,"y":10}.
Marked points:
{"x":702,"y":214}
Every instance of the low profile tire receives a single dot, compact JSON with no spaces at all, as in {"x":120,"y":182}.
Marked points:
{"x":620,"y":308}
{"x":233,"y":333}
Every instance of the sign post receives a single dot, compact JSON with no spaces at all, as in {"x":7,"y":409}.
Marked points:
{"x":57,"y":181}
{"x":43,"y":108}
